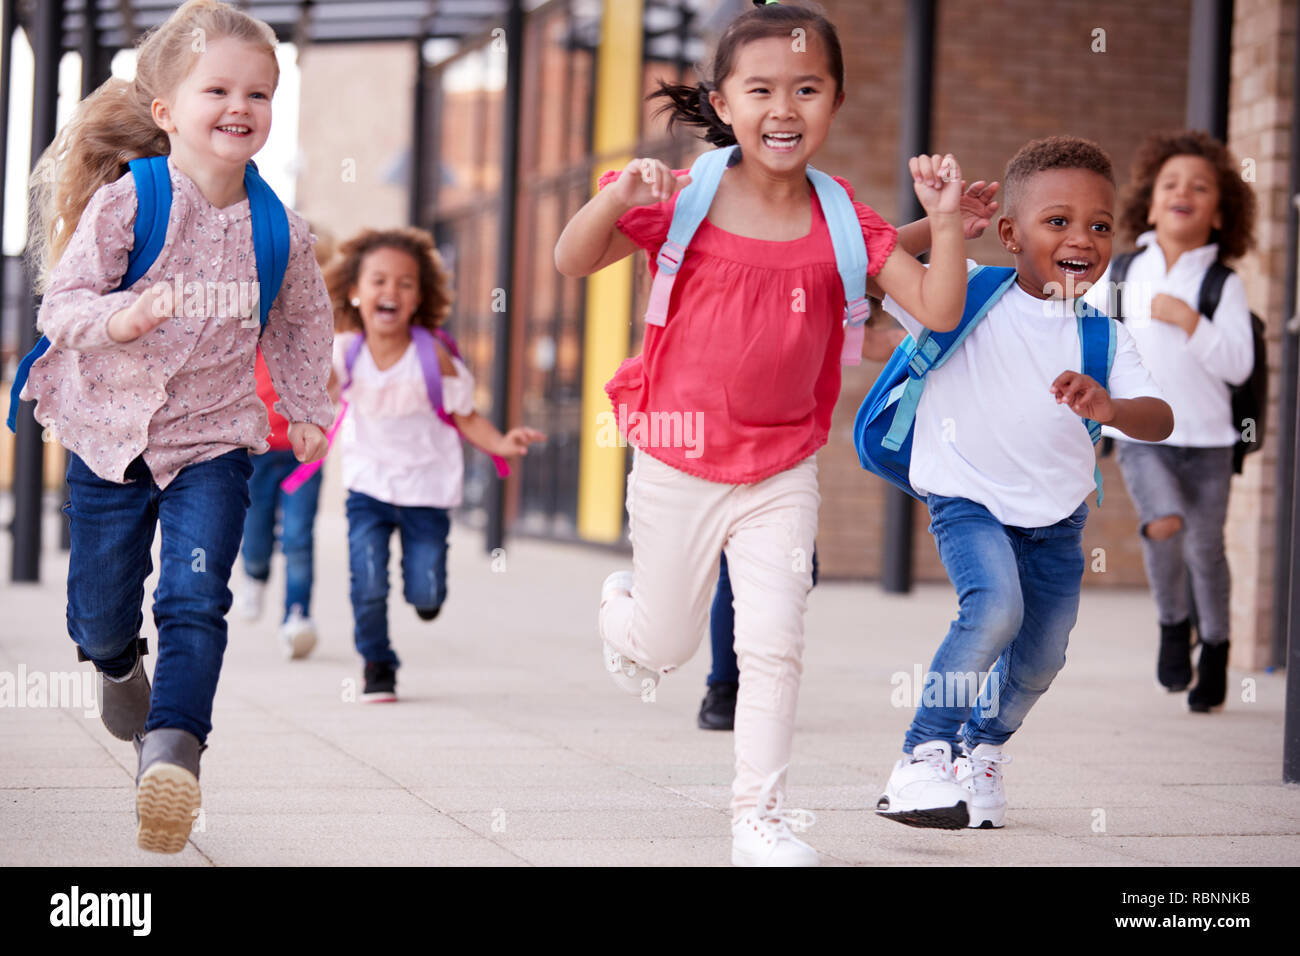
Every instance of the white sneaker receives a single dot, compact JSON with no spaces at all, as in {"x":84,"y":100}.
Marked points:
{"x":625,"y":672}
{"x":248,"y":598}
{"x":923,"y":791}
{"x":981,"y":777}
{"x":297,"y":635}
{"x":764,"y":836}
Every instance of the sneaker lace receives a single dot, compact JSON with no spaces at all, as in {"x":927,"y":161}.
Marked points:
{"x":985,"y":771}
{"x":784,"y":819}
{"x":937,"y":759}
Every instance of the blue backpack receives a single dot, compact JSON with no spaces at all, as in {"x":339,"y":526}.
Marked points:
{"x":883,"y":429}
{"x":842,"y":220}
{"x":153,"y":191}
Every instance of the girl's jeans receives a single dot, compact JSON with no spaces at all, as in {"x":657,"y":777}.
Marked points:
{"x":424,"y":566}
{"x":1188,"y":572}
{"x":1018,"y":598}
{"x":201,"y":514}
{"x":297,"y":518}
{"x":679,"y":524}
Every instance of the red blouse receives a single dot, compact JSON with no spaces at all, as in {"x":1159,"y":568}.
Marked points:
{"x":740,"y":382}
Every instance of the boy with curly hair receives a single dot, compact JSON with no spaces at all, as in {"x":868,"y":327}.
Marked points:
{"x":1001,"y":453}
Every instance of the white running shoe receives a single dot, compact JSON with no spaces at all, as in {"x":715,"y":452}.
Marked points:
{"x":923,"y":791}
{"x":981,"y":777}
{"x":625,"y":672}
{"x":248,"y":598}
{"x":297,"y":635}
{"x":765,"y":835}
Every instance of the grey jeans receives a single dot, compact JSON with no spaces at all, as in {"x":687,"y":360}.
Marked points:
{"x":1193,"y":484}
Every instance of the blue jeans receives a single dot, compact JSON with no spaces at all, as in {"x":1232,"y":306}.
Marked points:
{"x":722,"y":628}
{"x":297,"y":518}
{"x":424,"y":566}
{"x":201,"y":514}
{"x":1018,"y":598}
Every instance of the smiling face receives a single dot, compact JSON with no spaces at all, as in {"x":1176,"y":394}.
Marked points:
{"x":779,"y":101}
{"x":220,"y":113}
{"x":388,"y":285}
{"x":1185,"y":200}
{"x":1063,"y":225}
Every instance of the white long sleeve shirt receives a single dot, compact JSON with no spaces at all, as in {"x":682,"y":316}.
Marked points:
{"x":1194,"y":372}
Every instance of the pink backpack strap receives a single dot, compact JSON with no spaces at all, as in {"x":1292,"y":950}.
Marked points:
{"x":429,"y":365}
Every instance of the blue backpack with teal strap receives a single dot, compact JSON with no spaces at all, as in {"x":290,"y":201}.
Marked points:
{"x":153,"y":190}
{"x":886,"y":420}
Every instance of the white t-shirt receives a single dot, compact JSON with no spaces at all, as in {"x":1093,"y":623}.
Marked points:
{"x":1193,"y":372}
{"x":987,"y":426}
{"x":394,"y":446}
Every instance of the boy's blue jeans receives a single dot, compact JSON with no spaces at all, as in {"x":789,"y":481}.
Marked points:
{"x":424,"y":566}
{"x":201,"y":514}
{"x":297,"y":519}
{"x":1018,"y":597}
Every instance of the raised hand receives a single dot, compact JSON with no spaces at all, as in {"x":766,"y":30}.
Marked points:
{"x":1084,"y":396}
{"x":648,"y":181}
{"x":978,"y":207}
{"x":145,"y":314}
{"x":938,"y":183}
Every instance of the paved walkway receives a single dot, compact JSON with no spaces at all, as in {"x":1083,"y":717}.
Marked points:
{"x":510,"y":745}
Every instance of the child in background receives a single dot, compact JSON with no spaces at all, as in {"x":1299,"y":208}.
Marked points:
{"x":296,"y":514}
{"x":402,"y":464}
{"x":158,"y":410}
{"x":763,"y":375}
{"x":1005,"y":462}
{"x":1189,"y":187}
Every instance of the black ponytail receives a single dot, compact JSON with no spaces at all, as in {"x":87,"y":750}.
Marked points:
{"x":690,"y":105}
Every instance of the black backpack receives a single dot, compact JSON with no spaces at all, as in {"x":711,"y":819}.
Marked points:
{"x":1250,"y":398}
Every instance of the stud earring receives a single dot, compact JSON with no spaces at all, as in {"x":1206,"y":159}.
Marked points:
{"x":1015,"y":250}
{"x":355,"y":302}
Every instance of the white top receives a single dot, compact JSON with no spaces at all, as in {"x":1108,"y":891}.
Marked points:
{"x":988,"y":428}
{"x":394,"y":446}
{"x":1193,"y":372}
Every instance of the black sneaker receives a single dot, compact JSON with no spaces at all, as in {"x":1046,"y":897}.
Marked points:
{"x":718,"y":709}
{"x":381,"y":683}
{"x":1211,"y":678}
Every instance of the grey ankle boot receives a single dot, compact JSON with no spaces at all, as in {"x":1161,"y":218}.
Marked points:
{"x":167,"y":798}
{"x":124,"y":702}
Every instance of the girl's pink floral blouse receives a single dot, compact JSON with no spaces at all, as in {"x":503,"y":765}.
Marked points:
{"x":184,"y":392}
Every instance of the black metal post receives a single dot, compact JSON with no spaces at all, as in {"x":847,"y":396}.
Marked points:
{"x":9,"y":11}
{"x":29,"y":450}
{"x":514,"y":36}
{"x":419,"y":137}
{"x":1286,"y":603}
{"x":913,"y":139}
{"x":1209,"y":62}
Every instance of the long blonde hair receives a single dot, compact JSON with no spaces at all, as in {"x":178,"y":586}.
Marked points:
{"x":115,"y":124}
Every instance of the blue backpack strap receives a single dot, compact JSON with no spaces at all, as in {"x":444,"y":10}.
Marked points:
{"x":692,"y":206}
{"x":270,"y":239}
{"x":984,"y":286}
{"x":1097,"y":350}
{"x":850,"y":259}
{"x":153,"y":193}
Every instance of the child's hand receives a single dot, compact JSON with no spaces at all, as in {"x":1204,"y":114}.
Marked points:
{"x":143,"y":315}
{"x":648,"y":181}
{"x":1174,"y":311}
{"x":977,"y":207}
{"x":1085,"y":397}
{"x":516,"y":441}
{"x":308,"y":441}
{"x":938,"y":184}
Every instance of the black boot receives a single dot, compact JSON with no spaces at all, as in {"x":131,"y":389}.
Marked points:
{"x":1174,"y":666}
{"x":1211,"y":678}
{"x":718,"y":709}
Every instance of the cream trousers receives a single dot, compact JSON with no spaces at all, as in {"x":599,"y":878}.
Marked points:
{"x":679,"y":526}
